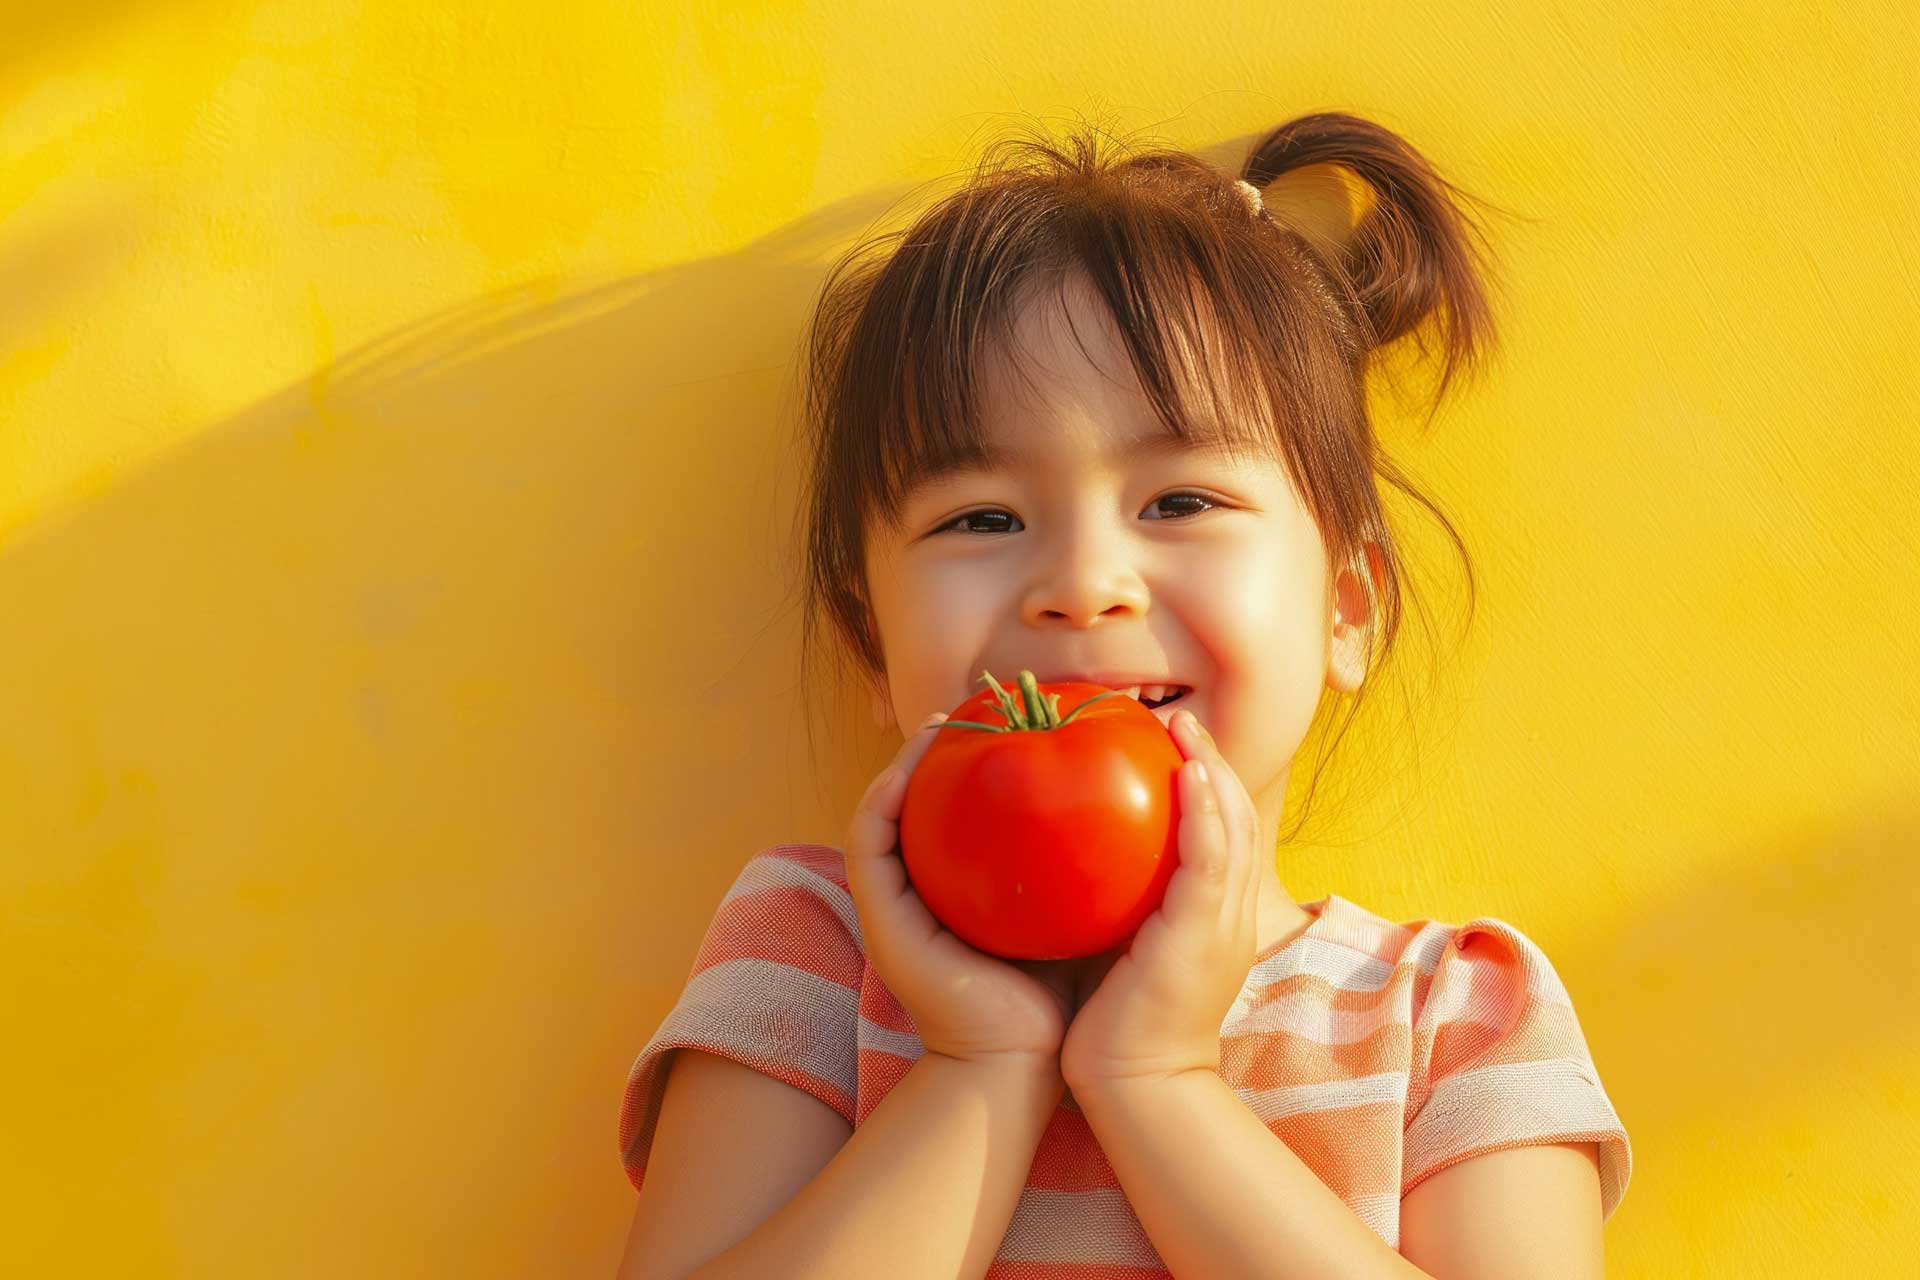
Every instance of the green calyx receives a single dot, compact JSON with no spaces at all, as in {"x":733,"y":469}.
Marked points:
{"x":1031,"y":711}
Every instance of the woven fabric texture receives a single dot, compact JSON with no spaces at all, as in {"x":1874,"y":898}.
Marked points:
{"x":1379,"y":1052}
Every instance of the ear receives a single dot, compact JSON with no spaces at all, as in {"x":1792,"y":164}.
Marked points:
{"x":1351,"y":626}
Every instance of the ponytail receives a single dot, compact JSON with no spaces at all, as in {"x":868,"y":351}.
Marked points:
{"x":1413,"y":253}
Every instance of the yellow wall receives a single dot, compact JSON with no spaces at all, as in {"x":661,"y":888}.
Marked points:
{"x":397,"y":665}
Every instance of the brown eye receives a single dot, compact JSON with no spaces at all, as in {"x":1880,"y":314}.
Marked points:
{"x":975,"y":515}
{"x":951,"y":526}
{"x":1209,"y":503}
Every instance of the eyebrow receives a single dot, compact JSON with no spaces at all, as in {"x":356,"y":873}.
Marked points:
{"x":999,"y":457}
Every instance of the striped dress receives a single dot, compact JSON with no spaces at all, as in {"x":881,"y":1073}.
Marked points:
{"x":1379,"y":1052}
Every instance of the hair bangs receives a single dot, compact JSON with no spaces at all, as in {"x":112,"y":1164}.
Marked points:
{"x":1249,"y":324}
{"x":1188,"y":317}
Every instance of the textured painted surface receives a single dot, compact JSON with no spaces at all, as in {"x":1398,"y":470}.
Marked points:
{"x":393,"y":479}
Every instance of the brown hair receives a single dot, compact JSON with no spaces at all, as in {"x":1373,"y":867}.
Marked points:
{"x":1176,"y":252}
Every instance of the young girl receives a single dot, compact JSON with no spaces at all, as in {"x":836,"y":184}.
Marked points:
{"x":1103,"y":418}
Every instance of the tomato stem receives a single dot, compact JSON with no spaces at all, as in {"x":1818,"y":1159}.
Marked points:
{"x":1032,"y":712}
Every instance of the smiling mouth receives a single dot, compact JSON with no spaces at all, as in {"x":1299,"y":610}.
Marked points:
{"x":1167,"y":692}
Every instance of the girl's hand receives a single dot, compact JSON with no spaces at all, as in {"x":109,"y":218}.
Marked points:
{"x":1159,"y":1010}
{"x":964,"y":1003}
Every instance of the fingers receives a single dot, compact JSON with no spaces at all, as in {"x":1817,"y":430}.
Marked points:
{"x":1236,"y":815}
{"x":1212,"y":842}
{"x":1239,"y":826}
{"x":874,"y":874}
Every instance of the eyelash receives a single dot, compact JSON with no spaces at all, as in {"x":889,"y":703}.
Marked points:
{"x":1212,"y":504}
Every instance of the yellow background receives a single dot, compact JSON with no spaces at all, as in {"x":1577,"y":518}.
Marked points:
{"x":397,"y":656}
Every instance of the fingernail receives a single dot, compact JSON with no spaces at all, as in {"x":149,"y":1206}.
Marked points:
{"x":933,"y":719}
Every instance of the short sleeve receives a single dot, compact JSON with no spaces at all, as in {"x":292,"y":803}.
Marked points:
{"x":1500,"y":1061}
{"x":775,"y":986}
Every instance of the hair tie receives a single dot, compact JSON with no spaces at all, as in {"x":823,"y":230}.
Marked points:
{"x":1252,"y":194}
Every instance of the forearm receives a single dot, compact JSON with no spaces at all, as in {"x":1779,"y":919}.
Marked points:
{"x":1219,"y":1194}
{"x":926,"y":1187}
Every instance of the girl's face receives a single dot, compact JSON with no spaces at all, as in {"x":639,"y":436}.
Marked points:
{"x":1073,"y":556}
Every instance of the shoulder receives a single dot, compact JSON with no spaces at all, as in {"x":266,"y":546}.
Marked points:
{"x":1484,"y":959}
{"x":789,"y":906}
{"x":809,"y":877}
{"x":1499,"y":1059}
{"x":775,"y":986}
{"x":1490,"y":972}
{"x":816,"y":866}
{"x":1481,"y":991}
{"x":1359,"y":949}
{"x":1497,"y":1017}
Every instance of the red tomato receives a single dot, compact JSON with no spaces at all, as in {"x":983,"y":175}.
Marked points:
{"x":1044,"y":826}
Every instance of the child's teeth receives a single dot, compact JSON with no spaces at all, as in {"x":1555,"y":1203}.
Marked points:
{"x":1133,"y":691}
{"x":1155,"y":692}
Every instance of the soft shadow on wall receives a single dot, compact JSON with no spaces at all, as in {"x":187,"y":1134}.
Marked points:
{"x":378,"y":740}
{"x":372,"y":744}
